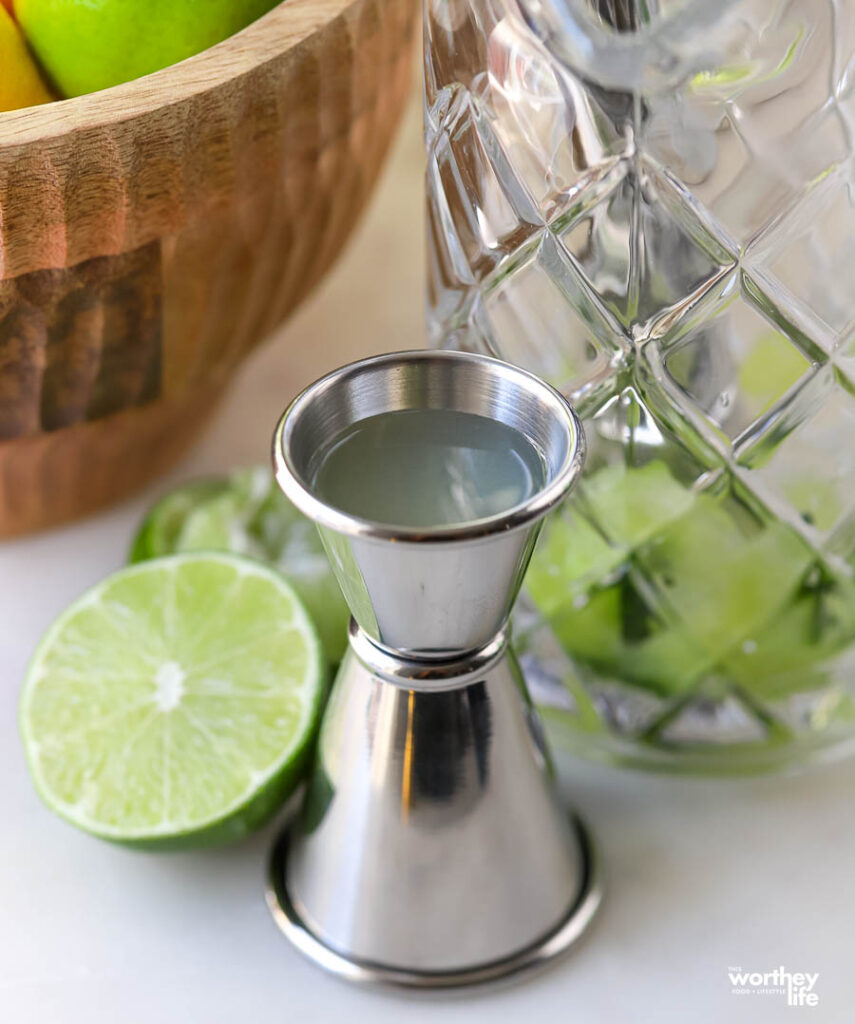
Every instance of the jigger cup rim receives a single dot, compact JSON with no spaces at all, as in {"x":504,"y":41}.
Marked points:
{"x":504,"y":379}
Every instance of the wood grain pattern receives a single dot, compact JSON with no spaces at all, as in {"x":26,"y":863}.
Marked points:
{"x":52,"y":477}
{"x":153,"y":233}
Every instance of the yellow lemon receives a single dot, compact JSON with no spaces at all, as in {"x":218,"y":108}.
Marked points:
{"x":21,"y":84}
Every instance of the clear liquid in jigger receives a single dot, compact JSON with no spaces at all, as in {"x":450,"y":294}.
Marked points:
{"x":427,"y":468}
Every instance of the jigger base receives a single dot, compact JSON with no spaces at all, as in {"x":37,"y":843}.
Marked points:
{"x":554,"y":943}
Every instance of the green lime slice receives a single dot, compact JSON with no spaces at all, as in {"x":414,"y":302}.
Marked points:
{"x":598,"y":633}
{"x":173,"y":704}
{"x":724,"y":584}
{"x":793,"y":650}
{"x":569,"y":558}
{"x":631,"y":504}
{"x":734,"y":589}
{"x":247,"y":514}
{"x":160,"y":529}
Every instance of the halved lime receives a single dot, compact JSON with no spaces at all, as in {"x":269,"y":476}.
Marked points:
{"x":247,"y":514}
{"x":173,"y":704}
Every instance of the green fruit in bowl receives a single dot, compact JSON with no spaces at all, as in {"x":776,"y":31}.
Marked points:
{"x":86,"y":45}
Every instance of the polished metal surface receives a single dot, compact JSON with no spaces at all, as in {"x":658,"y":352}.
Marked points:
{"x":431,"y":839}
{"x":431,"y":593}
{"x":431,"y":849}
{"x":424,"y":673}
{"x":522,"y":962}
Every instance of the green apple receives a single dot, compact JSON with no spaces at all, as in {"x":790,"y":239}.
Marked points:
{"x":85,"y":45}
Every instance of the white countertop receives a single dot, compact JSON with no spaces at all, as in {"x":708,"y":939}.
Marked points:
{"x":703,"y":875}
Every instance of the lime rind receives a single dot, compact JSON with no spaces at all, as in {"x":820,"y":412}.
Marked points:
{"x":48,"y":727}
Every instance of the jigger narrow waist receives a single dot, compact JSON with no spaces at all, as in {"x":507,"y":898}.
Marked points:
{"x":428,"y":674}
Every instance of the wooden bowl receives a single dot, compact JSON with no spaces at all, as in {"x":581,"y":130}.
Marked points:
{"x":153,"y":233}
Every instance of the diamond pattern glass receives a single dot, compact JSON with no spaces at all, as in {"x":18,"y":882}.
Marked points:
{"x":653,"y":207}
{"x":540,"y":295}
{"x":812,"y":470}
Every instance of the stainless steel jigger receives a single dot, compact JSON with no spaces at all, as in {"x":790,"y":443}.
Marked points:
{"x":432,"y":850}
